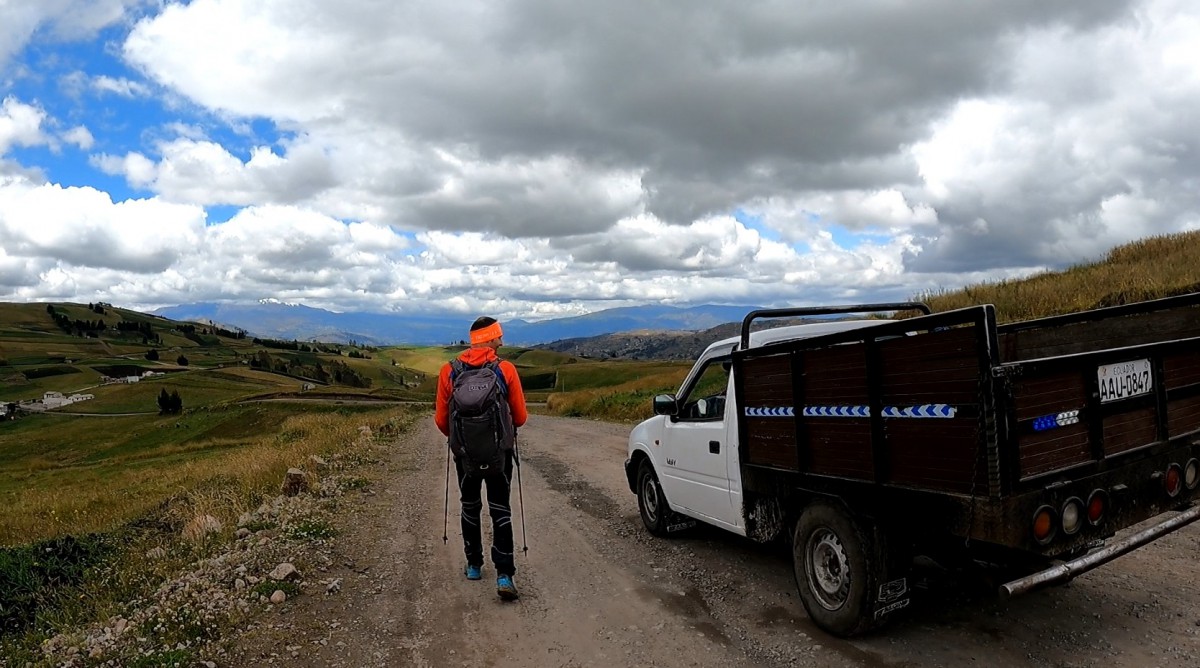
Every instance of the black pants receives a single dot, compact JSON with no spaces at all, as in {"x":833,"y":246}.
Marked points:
{"x":470,"y":493}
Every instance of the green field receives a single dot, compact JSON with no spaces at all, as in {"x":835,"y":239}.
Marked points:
{"x":95,"y":463}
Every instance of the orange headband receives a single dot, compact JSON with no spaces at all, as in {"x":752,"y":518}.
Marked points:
{"x":486,"y":334}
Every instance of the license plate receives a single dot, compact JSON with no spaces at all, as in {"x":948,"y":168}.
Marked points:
{"x":1124,"y":380}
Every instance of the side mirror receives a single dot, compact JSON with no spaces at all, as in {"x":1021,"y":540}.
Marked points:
{"x":665,"y":404}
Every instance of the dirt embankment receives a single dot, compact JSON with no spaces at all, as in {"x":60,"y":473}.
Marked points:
{"x":596,"y":590}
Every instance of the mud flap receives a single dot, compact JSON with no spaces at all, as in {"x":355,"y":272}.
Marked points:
{"x":893,"y":596}
{"x":680,"y":524}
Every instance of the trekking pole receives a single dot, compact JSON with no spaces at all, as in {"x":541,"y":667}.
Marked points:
{"x":520,"y":497}
{"x":446,"y":514}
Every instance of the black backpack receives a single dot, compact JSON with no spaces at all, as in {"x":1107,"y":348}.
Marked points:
{"x":481,"y":428}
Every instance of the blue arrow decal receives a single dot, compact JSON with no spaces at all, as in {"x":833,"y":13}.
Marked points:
{"x":924,"y":411}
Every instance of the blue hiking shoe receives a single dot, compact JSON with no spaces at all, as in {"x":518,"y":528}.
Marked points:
{"x":474,"y":572}
{"x":505,"y":588}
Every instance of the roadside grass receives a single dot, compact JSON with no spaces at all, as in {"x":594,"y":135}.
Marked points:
{"x":268,"y":587}
{"x":311,"y":529}
{"x":1151,"y":268}
{"x":78,"y":523}
{"x":586,"y":375}
{"x":628,"y":402}
{"x":62,"y":474}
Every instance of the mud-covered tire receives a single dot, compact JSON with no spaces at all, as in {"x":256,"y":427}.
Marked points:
{"x":652,"y":503}
{"x":839,"y":563}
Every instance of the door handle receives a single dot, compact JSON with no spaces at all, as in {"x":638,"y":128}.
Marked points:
{"x":714,"y":447}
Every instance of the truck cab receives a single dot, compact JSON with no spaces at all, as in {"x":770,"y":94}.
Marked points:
{"x":688,"y":452}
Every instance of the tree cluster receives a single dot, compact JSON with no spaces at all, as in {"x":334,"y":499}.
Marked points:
{"x":77,"y":327}
{"x":169,"y":404}
{"x":152,"y":354}
{"x":342,"y":374}
{"x":336,"y":371}
{"x":238,"y":334}
{"x":313,"y":347}
{"x":142,"y":328}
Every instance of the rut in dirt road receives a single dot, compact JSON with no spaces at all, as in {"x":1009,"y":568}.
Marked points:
{"x":597,"y":590}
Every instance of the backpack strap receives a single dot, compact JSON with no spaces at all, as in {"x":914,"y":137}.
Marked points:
{"x":494,"y":365}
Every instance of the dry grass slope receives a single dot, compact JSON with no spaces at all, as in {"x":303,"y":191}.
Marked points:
{"x":1155,"y":267}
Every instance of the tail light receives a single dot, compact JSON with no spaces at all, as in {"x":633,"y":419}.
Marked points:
{"x":1173,"y":480}
{"x":1043,"y":525}
{"x":1191,"y":474}
{"x":1097,"y":507}
{"x":1072,"y":516}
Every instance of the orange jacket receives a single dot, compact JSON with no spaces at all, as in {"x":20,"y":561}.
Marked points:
{"x":479,"y":356}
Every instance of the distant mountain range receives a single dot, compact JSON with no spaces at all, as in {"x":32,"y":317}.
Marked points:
{"x":277,"y":320}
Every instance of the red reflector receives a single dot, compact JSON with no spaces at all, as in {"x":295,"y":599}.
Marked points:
{"x":1174,"y":480}
{"x":1043,"y":525}
{"x":1096,"y":508}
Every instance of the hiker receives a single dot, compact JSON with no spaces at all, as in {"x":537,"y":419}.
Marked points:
{"x":480,"y":404}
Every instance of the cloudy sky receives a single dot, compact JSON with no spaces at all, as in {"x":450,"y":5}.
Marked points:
{"x":537,"y":158}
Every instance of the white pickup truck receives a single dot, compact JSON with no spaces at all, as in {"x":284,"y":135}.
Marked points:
{"x":868,"y":442}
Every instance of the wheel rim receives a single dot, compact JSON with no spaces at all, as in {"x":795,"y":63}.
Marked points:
{"x":650,"y":499}
{"x":827,"y":568}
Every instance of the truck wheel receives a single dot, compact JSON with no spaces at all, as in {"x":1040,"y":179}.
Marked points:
{"x":652,"y":503}
{"x":839,"y":565}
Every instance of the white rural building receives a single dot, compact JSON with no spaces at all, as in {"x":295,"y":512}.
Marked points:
{"x":57,"y":400}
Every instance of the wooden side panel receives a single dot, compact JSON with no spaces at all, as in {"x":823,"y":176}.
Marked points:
{"x":937,"y":454}
{"x":1181,"y":369}
{"x":1054,"y":449}
{"x":767,"y":383}
{"x":1045,"y":395}
{"x":1183,"y":416}
{"x":931,"y":369}
{"x":840,"y":446}
{"x":1126,"y":431}
{"x":835,"y":376}
{"x":1113,"y":332}
{"x":935,"y":368}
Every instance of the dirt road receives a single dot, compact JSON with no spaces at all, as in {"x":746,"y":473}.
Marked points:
{"x":597,"y":590}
